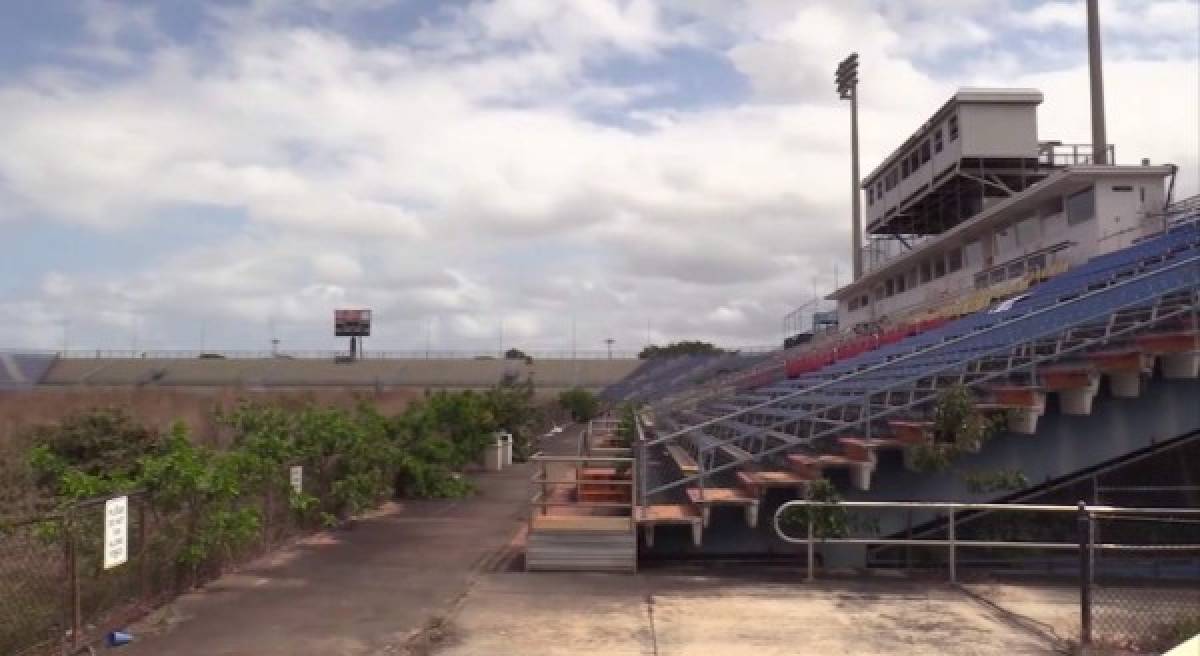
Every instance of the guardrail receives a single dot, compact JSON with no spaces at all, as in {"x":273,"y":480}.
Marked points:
{"x":1085,"y":544}
{"x":1086,"y":514}
{"x":543,"y":498}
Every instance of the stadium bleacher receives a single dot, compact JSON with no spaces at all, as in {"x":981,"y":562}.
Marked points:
{"x":23,"y":370}
{"x":880,"y":395}
{"x":661,"y":377}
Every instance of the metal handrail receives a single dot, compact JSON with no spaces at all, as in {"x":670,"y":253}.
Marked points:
{"x":539,"y":502}
{"x":951,"y":542}
{"x":577,"y":482}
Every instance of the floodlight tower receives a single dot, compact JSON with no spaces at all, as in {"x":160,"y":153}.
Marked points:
{"x":847,"y":88}
{"x":610,"y":341}
{"x":1096,"y":70}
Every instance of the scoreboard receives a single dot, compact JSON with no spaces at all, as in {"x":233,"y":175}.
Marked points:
{"x":352,"y":323}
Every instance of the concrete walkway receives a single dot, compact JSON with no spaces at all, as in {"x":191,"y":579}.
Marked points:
{"x":367,"y":590}
{"x":775,"y":613}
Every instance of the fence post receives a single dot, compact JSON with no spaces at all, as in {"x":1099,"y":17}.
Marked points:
{"x":809,"y":514}
{"x":143,"y":551}
{"x":953,"y":550}
{"x":74,"y":609}
{"x":1084,"y":525}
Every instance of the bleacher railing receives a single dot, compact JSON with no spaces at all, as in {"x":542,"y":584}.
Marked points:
{"x":1190,"y":269}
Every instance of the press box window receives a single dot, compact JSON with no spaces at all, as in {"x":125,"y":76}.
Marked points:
{"x":1081,"y":206}
{"x":954,"y":260}
{"x":925,"y":151}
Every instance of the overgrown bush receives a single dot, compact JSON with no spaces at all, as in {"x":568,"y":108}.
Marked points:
{"x":580,"y":403}
{"x":216,"y":500}
{"x":627,"y":425}
{"x":958,"y":427}
{"x":827,"y":521}
{"x":1001,"y":480}
{"x":89,"y":454}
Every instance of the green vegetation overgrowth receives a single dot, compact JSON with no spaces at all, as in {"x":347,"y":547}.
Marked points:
{"x":201,"y":506}
{"x":216,"y":499}
{"x":581,"y":404}
{"x":627,"y":423}
{"x":958,"y":428}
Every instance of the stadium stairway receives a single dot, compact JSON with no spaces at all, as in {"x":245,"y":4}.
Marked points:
{"x":1108,"y":324}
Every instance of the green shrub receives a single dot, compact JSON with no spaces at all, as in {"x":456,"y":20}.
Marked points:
{"x":958,"y":427}
{"x":827,"y":521}
{"x":580,"y":403}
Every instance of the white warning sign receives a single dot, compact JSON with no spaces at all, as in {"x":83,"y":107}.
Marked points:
{"x":297,"y":478}
{"x":116,"y":532}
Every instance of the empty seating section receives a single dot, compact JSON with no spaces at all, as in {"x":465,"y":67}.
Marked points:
{"x":837,"y":406}
{"x":658,"y":378}
{"x":854,"y":346}
{"x":21,"y":370}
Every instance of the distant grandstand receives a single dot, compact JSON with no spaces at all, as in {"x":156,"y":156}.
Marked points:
{"x":24,"y":371}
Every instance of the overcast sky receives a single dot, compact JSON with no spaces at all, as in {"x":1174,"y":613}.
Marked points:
{"x":179,"y":173}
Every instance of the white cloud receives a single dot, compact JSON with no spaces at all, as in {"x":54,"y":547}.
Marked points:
{"x":454,"y":178}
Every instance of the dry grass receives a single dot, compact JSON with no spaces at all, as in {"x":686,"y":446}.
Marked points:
{"x":159,"y":407}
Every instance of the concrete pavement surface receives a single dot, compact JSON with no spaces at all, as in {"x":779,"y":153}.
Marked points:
{"x":670,"y":614}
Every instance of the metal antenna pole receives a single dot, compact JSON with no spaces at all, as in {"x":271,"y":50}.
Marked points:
{"x":1096,"y":68}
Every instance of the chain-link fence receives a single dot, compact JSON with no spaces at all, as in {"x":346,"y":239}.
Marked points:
{"x":32,"y":575}
{"x":1144,"y":598}
{"x":55,"y":592}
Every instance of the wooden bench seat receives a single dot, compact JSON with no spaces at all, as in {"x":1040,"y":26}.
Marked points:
{"x":1019,"y":396}
{"x":810,"y":466}
{"x":708,"y":497}
{"x":1168,"y":342}
{"x":648,"y":517}
{"x":757,"y":482}
{"x":910,"y":431}
{"x":861,"y":448}
{"x":682,"y":459}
